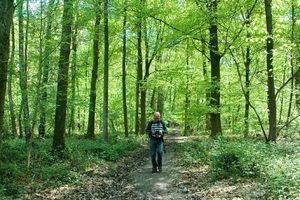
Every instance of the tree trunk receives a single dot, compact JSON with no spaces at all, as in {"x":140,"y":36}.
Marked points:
{"x":160,"y":102}
{"x":62,"y":80}
{"x":247,"y":92}
{"x":187,"y":93}
{"x":153,"y":99}
{"x":71,"y":126}
{"x":6,"y":16}
{"x":215,"y":72}
{"x":292,"y":61}
{"x":9,"y":86}
{"x":105,"y":84}
{"x":206,"y":79}
{"x":247,"y":85}
{"x":271,"y":87}
{"x":23,"y":76}
{"x":139,"y":72}
{"x":92,"y":105}
{"x":45,"y":73}
{"x":125,"y":112}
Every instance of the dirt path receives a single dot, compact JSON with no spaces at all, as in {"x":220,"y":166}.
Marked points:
{"x":162,"y":185}
{"x":130,"y":179}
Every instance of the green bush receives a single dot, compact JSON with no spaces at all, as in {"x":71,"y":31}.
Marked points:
{"x":226,"y":165}
{"x":48,"y":169}
{"x":58,"y":173}
{"x":274,"y":167}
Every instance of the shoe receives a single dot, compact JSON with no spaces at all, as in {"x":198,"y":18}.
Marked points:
{"x":154,"y":170}
{"x":159,"y":170}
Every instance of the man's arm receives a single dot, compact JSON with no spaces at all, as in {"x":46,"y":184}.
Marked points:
{"x":165,"y":130}
{"x":148,"y":128}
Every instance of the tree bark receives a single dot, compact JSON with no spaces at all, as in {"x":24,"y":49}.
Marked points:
{"x":9,"y":86}
{"x":92,"y":104}
{"x":271,"y":87}
{"x":105,"y":74}
{"x":139,"y":71}
{"x":23,"y":76}
{"x":215,"y":71}
{"x":62,"y":80}
{"x":247,"y":85}
{"x":125,"y":112}
{"x":71,"y":126}
{"x":206,"y":79}
{"x":6,"y":16}
{"x":292,"y":61}
{"x":247,"y":92}
{"x":45,"y":71}
{"x":187,"y":104}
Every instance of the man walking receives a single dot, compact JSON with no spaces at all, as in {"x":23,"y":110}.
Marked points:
{"x":156,"y":129}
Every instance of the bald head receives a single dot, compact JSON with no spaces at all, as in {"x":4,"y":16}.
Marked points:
{"x":156,"y":116}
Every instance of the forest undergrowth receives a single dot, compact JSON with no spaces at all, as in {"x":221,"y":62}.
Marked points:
{"x":196,"y":167}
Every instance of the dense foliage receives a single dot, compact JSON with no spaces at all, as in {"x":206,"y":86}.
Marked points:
{"x":272,"y":169}
{"x":50,"y":170}
{"x":202,"y":64}
{"x":175,"y":45}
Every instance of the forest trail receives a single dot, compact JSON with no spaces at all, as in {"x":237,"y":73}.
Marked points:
{"x":131,"y":179}
{"x":148,"y":185}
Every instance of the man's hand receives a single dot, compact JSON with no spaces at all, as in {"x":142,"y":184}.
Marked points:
{"x":156,"y":132}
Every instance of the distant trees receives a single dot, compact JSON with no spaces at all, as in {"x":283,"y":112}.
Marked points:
{"x":157,"y":55}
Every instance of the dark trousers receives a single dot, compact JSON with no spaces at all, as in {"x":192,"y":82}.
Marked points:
{"x":156,"y":148}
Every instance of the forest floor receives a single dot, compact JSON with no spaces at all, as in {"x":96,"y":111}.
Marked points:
{"x":131,"y":178}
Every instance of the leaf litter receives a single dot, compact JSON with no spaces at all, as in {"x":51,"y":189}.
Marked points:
{"x":131,"y":178}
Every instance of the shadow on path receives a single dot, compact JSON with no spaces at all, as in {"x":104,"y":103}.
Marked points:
{"x":147,"y":185}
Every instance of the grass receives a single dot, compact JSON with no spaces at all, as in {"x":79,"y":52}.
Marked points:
{"x":48,"y":170}
{"x":273,"y":167}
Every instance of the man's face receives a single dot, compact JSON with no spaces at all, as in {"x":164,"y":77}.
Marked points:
{"x":156,"y":118}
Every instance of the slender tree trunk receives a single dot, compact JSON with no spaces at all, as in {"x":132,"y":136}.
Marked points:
{"x":139,"y":71}
{"x":144,"y":93}
{"x":45,"y":75}
{"x":125,"y":112}
{"x":6,"y":16}
{"x":271,"y":87}
{"x":187,"y":93}
{"x":92,"y":105}
{"x":292,"y":61}
{"x":297,"y":84}
{"x":71,"y":126}
{"x":146,"y":75}
{"x":153,"y":99}
{"x":247,"y":92}
{"x":148,"y":60}
{"x":215,"y":71}
{"x":160,"y":102}
{"x":29,"y":132}
{"x":62,"y":79}
{"x":37,"y":95}
{"x":247,"y":85}
{"x":9,"y":86}
{"x":206,"y":79}
{"x":105,"y":74}
{"x":23,"y":75}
